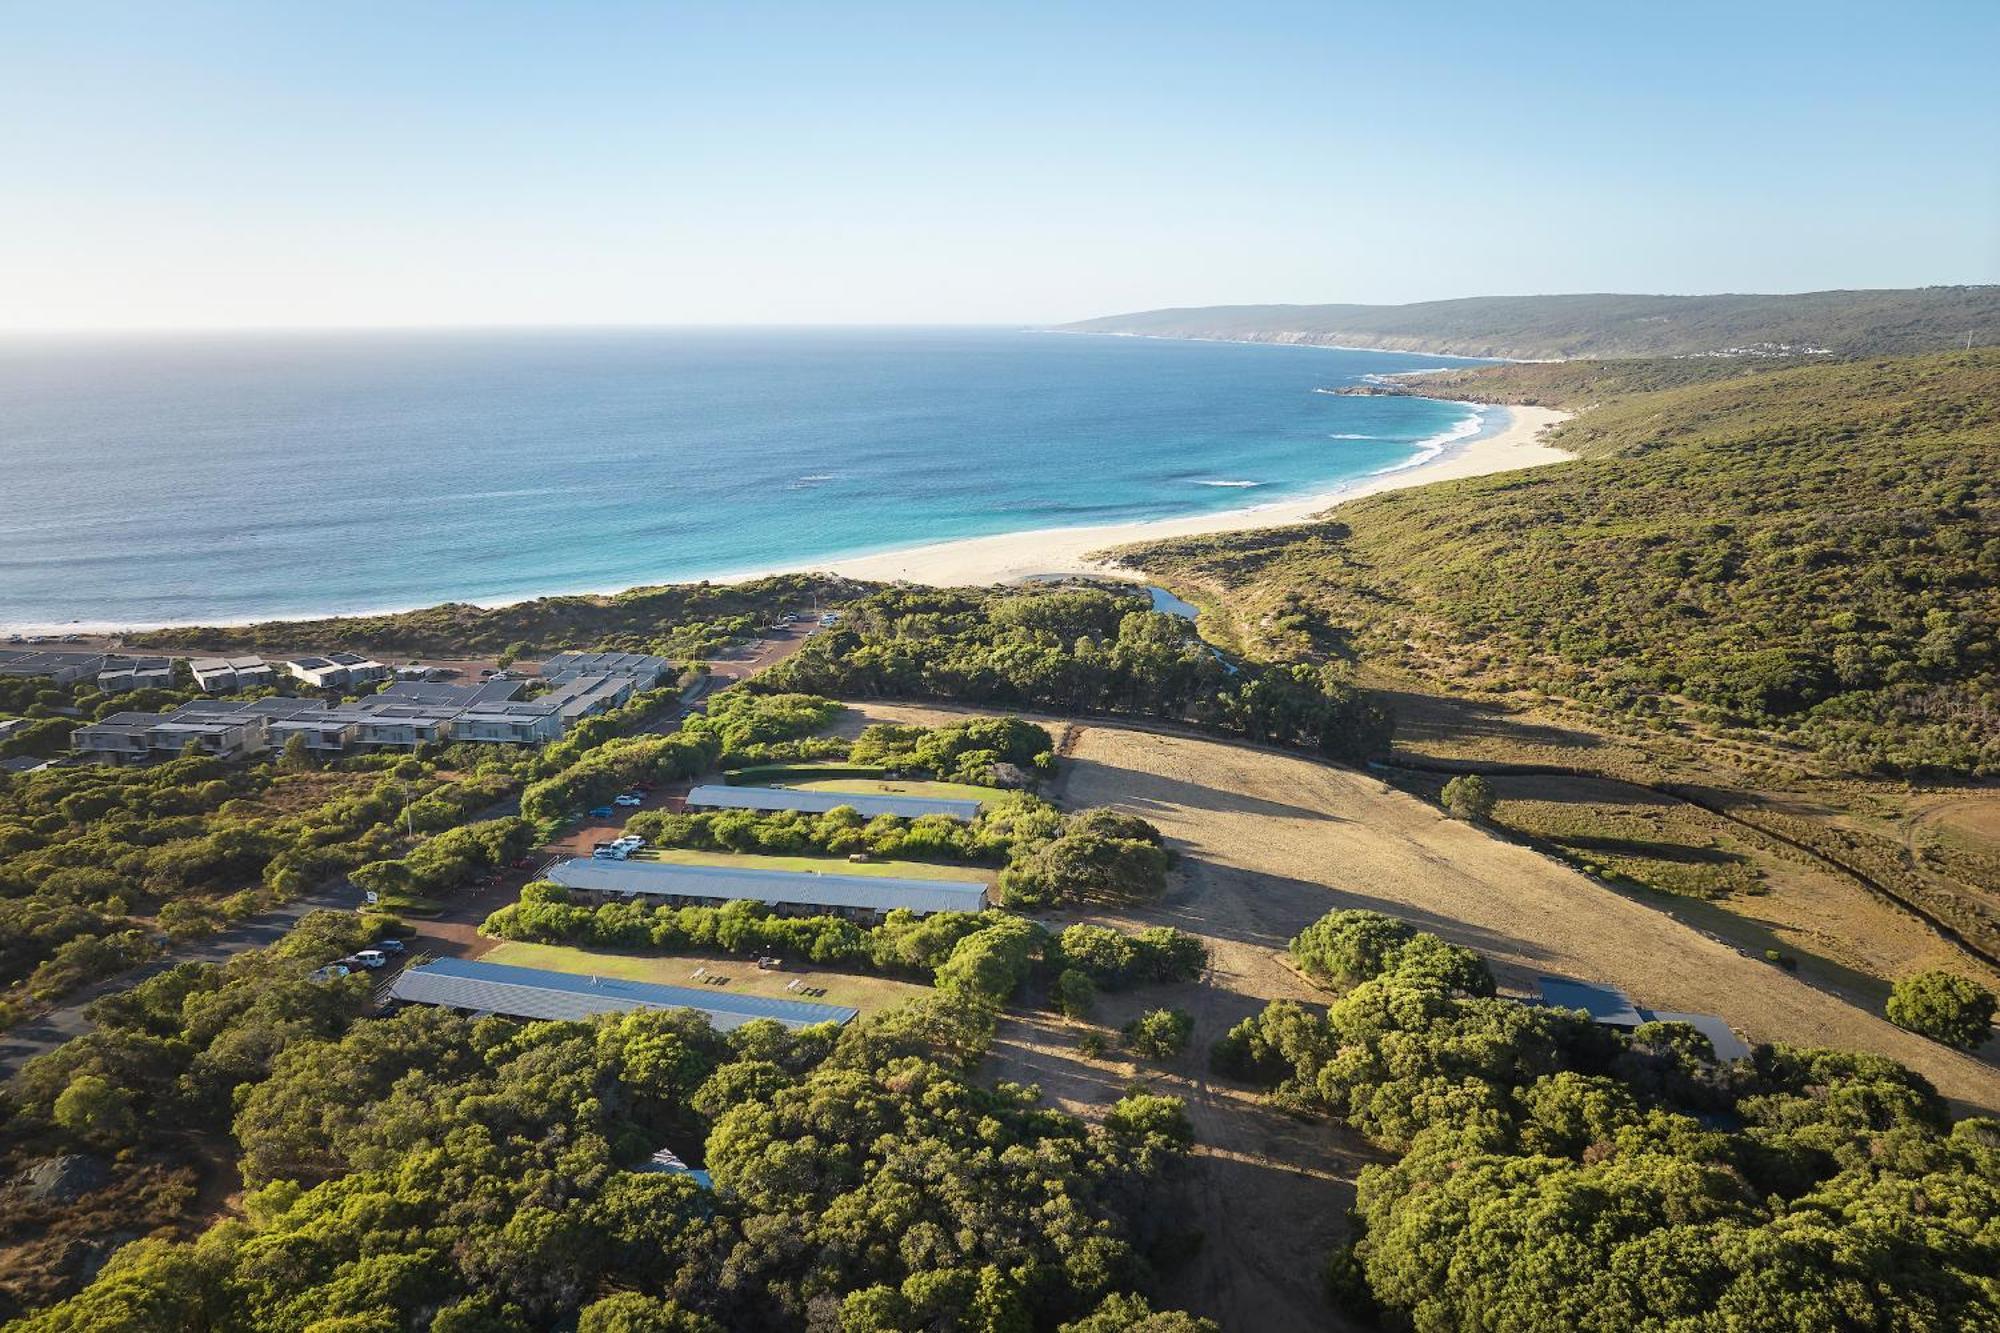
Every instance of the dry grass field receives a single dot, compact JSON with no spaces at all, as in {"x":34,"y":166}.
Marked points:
{"x":1269,"y":843}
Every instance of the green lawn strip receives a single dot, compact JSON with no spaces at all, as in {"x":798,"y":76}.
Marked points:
{"x":865,"y":993}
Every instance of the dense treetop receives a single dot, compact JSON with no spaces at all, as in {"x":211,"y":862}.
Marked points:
{"x":677,"y":620}
{"x":1552,"y":1174}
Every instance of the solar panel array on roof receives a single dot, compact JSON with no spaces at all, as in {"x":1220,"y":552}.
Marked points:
{"x":879,"y":893}
{"x":819,"y":802}
{"x":535,"y":993}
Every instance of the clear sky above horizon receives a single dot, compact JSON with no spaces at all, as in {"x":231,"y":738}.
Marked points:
{"x":250,"y":164}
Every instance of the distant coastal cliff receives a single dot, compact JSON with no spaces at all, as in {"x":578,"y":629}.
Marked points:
{"x":1554,"y":328}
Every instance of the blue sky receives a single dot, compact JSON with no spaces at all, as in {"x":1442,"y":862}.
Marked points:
{"x":192,"y":165}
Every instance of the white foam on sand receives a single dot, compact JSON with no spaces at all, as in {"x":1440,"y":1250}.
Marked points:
{"x":1432,"y":447}
{"x":1465,"y":450}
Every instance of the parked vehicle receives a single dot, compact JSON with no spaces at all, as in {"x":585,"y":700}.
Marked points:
{"x":372,"y":959}
{"x":601,"y":812}
{"x":331,"y":972}
{"x":389,"y":946}
{"x":610,"y":853}
{"x":628,"y":799}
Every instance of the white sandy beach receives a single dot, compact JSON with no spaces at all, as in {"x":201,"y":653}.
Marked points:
{"x":1011,"y":556}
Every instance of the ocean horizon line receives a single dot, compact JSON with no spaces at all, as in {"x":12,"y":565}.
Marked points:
{"x":260,"y":478}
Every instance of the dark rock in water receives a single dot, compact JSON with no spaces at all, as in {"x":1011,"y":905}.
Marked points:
{"x":64,"y":1179}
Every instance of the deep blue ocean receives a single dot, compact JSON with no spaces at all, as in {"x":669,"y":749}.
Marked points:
{"x":216,"y":478}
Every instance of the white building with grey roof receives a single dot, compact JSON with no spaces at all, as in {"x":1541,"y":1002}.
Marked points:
{"x":224,"y":675}
{"x":870,"y":804}
{"x":538,"y":994}
{"x":649,"y":671}
{"x":792,"y":892}
{"x":402,"y":716}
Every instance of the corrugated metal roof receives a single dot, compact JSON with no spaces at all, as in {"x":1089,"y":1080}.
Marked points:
{"x":1604,"y":1004}
{"x":1610,"y":1006}
{"x":819,"y":802}
{"x":533,"y":992}
{"x":880,"y":893}
{"x":1728,"y":1046}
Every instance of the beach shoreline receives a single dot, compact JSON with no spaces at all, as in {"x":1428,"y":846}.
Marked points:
{"x":1016,"y":556}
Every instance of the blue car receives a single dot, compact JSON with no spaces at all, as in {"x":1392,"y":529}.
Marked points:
{"x":602,"y":812}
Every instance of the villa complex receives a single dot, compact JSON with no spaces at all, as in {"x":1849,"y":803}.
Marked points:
{"x":401,"y":716}
{"x":111,"y":672}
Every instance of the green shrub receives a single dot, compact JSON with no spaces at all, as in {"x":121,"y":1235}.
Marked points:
{"x":1160,"y":1034}
{"x":1944,"y":1007}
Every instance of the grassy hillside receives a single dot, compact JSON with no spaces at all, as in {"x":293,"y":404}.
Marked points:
{"x":1810,"y":553}
{"x":1860,"y":323}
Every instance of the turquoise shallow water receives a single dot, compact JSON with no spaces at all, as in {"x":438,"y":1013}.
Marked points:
{"x":224,"y":478}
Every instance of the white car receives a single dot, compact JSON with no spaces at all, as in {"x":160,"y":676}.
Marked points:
{"x":628,"y":799}
{"x":372,"y":959}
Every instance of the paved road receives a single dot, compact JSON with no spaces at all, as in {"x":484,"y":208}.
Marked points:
{"x":52,"y":1029}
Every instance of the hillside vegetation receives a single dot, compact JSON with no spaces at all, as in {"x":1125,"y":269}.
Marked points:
{"x":1810,"y":552}
{"x":1859,"y":323}
{"x":675,"y":620}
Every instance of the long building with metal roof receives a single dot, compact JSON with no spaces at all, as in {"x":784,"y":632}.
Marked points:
{"x":819,"y":802}
{"x":1611,"y":1007}
{"x":534,"y":993}
{"x":860,"y":896}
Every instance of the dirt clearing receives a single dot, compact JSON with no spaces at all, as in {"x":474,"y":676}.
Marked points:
{"x":1309,"y":838}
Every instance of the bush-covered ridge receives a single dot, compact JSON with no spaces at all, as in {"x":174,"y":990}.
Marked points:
{"x":1814,"y":551}
{"x":1073,"y":650}
{"x":677,"y":620}
{"x":1861,"y":323}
